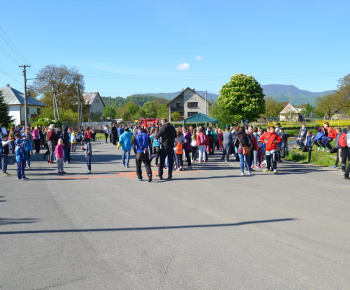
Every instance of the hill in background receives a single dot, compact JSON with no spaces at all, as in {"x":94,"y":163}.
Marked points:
{"x":281,"y":93}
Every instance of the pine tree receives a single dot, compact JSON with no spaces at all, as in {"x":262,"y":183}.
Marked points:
{"x":5,"y":118}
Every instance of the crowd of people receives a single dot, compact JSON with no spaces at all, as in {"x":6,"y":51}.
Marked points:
{"x":171,"y":147}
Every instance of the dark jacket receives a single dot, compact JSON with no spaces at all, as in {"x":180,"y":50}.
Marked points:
{"x":65,"y":136}
{"x":243,"y":138}
{"x":167,"y":133}
{"x":142,"y":142}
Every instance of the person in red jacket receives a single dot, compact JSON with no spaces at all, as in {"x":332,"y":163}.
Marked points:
{"x":344,"y":149}
{"x":271,"y":139}
{"x":331,"y":134}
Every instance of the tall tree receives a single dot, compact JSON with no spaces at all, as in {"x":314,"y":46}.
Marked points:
{"x":62,"y":80}
{"x":150,"y":109}
{"x":273,"y":108}
{"x":5,"y":118}
{"x":241,"y":99}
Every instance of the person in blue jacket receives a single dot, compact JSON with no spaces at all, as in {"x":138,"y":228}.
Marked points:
{"x":142,"y":146}
{"x":20,"y":158}
{"x":27,"y":146}
{"x":125,"y":143}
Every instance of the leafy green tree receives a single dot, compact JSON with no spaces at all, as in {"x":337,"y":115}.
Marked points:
{"x":162,"y":111}
{"x":150,"y":109}
{"x":176,"y":116}
{"x":106,"y":113}
{"x":307,"y":110}
{"x":273,"y":108}
{"x":129,"y":111}
{"x":5,"y":118}
{"x":216,"y":112}
{"x":62,"y":80}
{"x":242,"y":98}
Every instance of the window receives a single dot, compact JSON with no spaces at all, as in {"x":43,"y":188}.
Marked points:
{"x":179,"y":106}
{"x":192,"y":114}
{"x":192,"y":104}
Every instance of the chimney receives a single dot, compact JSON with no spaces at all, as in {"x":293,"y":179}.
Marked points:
{"x":7,"y":86}
{"x":194,"y":89}
{"x":182,"y":89}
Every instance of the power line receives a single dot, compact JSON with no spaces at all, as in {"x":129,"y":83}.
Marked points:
{"x":13,"y":48}
{"x":10,"y":57}
{"x":9,"y":76}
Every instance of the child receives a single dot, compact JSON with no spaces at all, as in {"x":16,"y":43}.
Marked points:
{"x":260,"y":148}
{"x":336,"y":148}
{"x":5,"y":150}
{"x":309,"y":142}
{"x":88,"y":153}
{"x":20,"y":158}
{"x":271,"y":139}
{"x":59,"y":156}
{"x":27,"y":147}
{"x":178,"y":147}
{"x":125,"y":143}
{"x":73,"y":138}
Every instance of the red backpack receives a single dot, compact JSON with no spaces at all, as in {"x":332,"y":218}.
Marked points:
{"x":203,"y":139}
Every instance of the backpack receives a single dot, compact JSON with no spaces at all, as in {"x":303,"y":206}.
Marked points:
{"x":211,"y":138}
{"x":178,"y":148}
{"x":203,"y":139}
{"x":348,"y":139}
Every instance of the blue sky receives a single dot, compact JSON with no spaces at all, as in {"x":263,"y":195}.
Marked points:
{"x":128,"y":47}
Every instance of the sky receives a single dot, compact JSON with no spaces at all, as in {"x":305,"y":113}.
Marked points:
{"x":130,"y":47}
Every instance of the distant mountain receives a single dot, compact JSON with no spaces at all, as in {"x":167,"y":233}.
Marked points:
{"x":170,"y":96}
{"x":285,"y":92}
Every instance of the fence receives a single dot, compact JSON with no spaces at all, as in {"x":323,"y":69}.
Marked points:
{"x":312,"y":123}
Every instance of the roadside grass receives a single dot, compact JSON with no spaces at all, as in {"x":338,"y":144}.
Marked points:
{"x":323,"y":158}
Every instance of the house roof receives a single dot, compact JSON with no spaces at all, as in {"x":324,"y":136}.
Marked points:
{"x":183,"y":93}
{"x":289,"y":108}
{"x":200,"y":118}
{"x":14,"y":97}
{"x":90,"y":97}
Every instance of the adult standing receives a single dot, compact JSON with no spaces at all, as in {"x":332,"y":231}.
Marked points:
{"x":242,"y":140}
{"x":36,"y":138}
{"x":227,"y":143}
{"x":105,"y":129}
{"x":141,"y":146}
{"x":51,"y":142}
{"x":65,"y":138}
{"x":167,"y":134}
{"x":114,"y":134}
{"x":187,"y":146}
{"x":302,"y":135}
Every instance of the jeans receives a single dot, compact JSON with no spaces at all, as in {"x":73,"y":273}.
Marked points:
{"x":166,"y":152}
{"x":125,"y":153}
{"x":27,"y":155}
{"x":66,"y":154}
{"x":4,"y":162}
{"x":201,"y":149}
{"x":156,"y":151}
{"x":226,"y":152}
{"x":20,"y":169}
{"x":194,"y":153}
{"x":271,"y":156}
{"x":309,"y":150}
{"x":188,"y":158}
{"x":60,"y":165}
{"x":51,"y":146}
{"x":245,"y":160}
{"x":344,"y":156}
{"x":106,"y":136}
{"x":325,"y":142}
{"x":88,"y":162}
{"x":74,"y":147}
{"x":178,"y":159}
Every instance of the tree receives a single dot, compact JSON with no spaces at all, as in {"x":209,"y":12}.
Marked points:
{"x":150,"y":109}
{"x":175,"y":116}
{"x":64,"y":81}
{"x":273,"y":108}
{"x":216,"y":112}
{"x":129,"y":111}
{"x":5,"y":118}
{"x":242,"y":98}
{"x":106,"y":113}
{"x":162,"y":111}
{"x":308,"y":109}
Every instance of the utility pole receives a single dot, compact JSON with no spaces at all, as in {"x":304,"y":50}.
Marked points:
{"x":25,"y":95}
{"x":290,"y":111}
{"x":206,"y":103}
{"x":79,"y":105}
{"x":110,"y":110}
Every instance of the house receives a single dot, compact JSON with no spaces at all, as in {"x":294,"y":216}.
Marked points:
{"x":291,"y":114}
{"x":188,"y":103}
{"x":15,"y":100}
{"x":94,"y":103}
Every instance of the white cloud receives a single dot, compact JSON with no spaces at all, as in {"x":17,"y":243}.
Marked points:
{"x":199,"y":58}
{"x":183,"y":66}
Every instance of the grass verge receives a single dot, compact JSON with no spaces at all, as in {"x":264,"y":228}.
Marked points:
{"x":323,"y":158}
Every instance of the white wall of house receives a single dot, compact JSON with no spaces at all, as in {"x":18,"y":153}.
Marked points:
{"x":97,"y":106}
{"x":190,"y":97}
{"x":15,"y":113}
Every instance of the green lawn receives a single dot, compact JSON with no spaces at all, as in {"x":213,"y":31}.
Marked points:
{"x":323,"y":158}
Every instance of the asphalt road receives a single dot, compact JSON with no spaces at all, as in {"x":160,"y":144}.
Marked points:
{"x":209,"y":228}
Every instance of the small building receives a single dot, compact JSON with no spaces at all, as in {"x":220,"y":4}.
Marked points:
{"x":291,"y":114}
{"x":188,"y":103}
{"x":94,"y":103}
{"x":15,"y":100}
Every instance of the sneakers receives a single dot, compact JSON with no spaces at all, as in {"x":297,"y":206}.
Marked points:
{"x":159,"y":177}
{"x":88,"y":171}
{"x":157,"y":165}
{"x":249,"y":173}
{"x":139,"y":179}
{"x":189,"y":167}
{"x":169,"y":178}
{"x":334,"y":166}
{"x":267,"y":170}
{"x":324,"y":149}
{"x":242,"y":173}
{"x":275,"y":171}
{"x":150,"y":178}
{"x":6,"y":174}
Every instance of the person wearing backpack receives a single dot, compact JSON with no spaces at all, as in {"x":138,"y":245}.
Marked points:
{"x":202,"y":141}
{"x":27,"y":147}
{"x":5,"y":150}
{"x":242,"y":141}
{"x":178,"y":148}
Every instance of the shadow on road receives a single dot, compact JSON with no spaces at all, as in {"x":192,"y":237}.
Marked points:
{"x":144,"y":228}
{"x":5,"y":221}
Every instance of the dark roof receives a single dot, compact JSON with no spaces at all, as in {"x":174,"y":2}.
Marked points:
{"x":188,"y":88}
{"x":200,"y":118}
{"x":14,"y":97}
